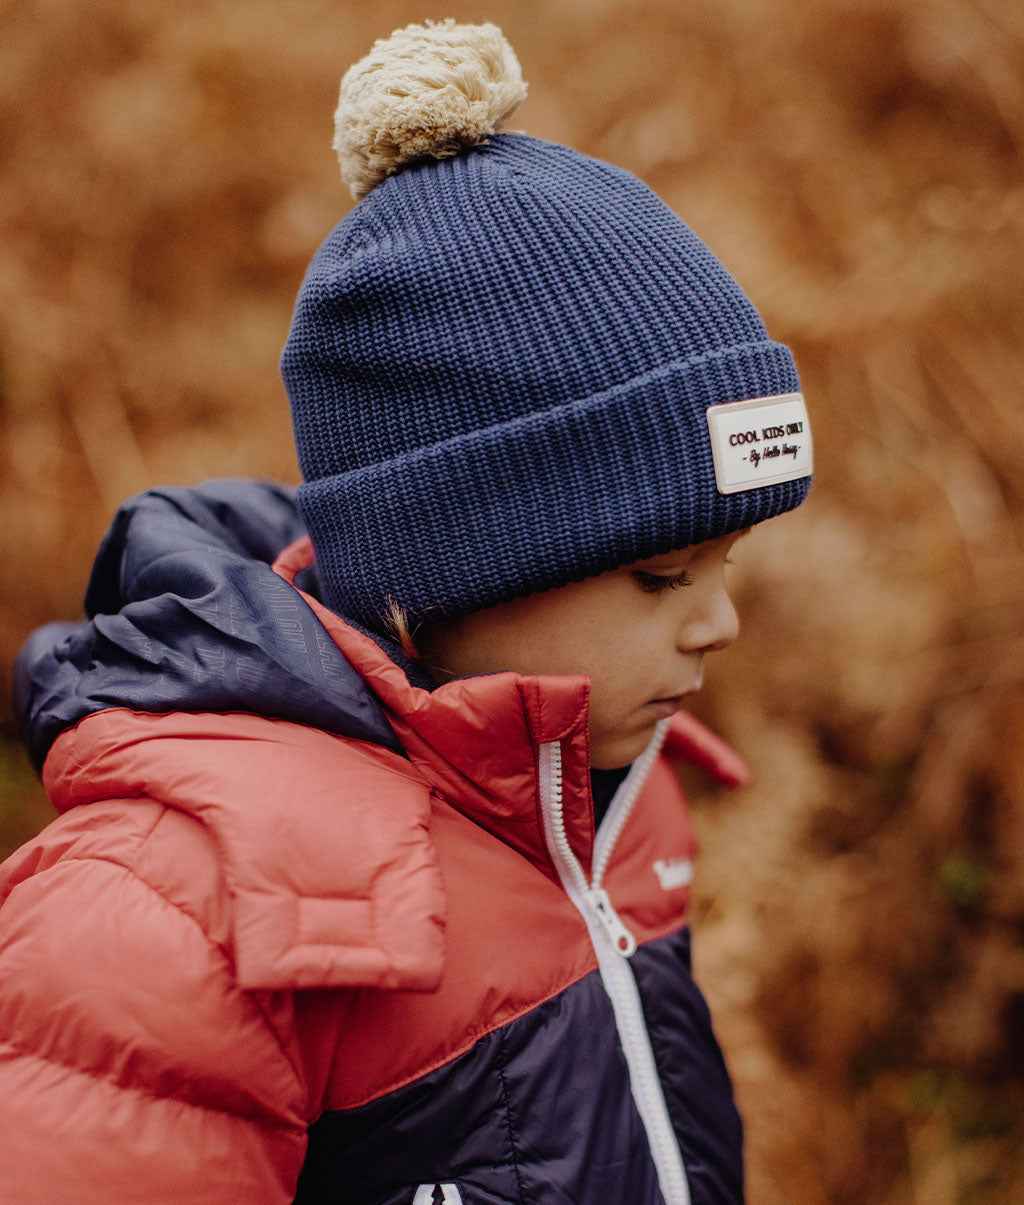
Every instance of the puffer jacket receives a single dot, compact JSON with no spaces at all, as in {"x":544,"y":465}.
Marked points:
{"x":308,"y":930}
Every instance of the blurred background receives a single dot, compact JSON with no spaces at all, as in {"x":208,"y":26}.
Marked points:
{"x":165,"y":175}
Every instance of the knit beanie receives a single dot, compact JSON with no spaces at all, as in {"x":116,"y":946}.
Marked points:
{"x":511,"y":366}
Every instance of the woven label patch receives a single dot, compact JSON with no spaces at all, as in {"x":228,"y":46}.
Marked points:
{"x":760,"y":442}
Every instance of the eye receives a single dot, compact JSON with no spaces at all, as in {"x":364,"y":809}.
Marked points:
{"x":654,"y":583}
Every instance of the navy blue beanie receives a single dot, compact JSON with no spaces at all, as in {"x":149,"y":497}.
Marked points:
{"x":501,"y":369}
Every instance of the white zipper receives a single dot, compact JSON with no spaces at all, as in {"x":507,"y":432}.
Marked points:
{"x":614,"y":944}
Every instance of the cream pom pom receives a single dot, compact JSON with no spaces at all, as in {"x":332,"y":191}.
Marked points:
{"x":427,"y":90}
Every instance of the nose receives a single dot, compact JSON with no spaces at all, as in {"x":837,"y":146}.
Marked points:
{"x":714,"y":624}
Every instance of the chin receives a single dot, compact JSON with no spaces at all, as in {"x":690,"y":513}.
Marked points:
{"x":615,"y":753}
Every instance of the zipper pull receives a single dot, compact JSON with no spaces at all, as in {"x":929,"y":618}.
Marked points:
{"x":620,"y":937}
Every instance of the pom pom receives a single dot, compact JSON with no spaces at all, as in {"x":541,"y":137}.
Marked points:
{"x":425,"y":91}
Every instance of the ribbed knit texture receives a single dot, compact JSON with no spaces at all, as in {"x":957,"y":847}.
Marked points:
{"x":499,"y":370}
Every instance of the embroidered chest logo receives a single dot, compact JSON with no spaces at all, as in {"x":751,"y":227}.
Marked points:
{"x":437,"y":1194}
{"x":673,"y":873}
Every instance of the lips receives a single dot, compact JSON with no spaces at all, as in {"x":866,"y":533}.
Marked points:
{"x":668,"y":705}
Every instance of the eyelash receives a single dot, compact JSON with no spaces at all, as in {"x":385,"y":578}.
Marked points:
{"x":654,"y":583}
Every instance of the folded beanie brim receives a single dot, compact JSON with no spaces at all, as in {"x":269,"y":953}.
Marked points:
{"x":624,"y":474}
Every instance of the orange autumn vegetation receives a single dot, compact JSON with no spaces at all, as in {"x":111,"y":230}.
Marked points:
{"x":859,"y":165}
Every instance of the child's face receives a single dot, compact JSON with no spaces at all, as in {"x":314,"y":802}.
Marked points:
{"x":639,"y":633}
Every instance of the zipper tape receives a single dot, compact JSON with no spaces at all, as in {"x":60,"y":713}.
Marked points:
{"x":603,"y":925}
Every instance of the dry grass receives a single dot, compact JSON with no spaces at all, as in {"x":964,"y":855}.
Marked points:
{"x":858,"y":164}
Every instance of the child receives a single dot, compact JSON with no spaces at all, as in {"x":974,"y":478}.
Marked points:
{"x":325,"y":918}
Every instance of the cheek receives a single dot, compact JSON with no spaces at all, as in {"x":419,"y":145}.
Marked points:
{"x":628,"y":671}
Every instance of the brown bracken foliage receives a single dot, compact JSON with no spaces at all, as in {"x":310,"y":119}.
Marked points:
{"x":859,"y":164}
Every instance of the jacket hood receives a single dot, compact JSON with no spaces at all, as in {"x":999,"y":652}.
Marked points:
{"x":184,"y":613}
{"x":204,"y":600}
